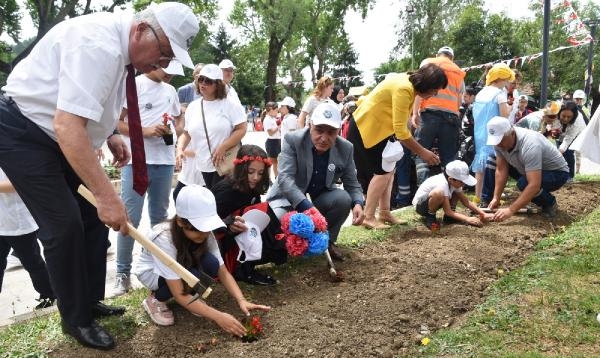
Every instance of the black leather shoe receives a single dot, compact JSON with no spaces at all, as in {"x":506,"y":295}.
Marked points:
{"x":335,"y":253}
{"x":93,"y":336}
{"x":99,"y":309}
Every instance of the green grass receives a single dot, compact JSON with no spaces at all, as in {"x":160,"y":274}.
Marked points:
{"x":547,"y":308}
{"x":37,"y":337}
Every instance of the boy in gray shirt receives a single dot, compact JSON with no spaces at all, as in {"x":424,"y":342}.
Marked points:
{"x":532,"y":160}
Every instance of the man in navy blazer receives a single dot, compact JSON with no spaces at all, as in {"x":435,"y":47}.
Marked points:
{"x":310,"y":163}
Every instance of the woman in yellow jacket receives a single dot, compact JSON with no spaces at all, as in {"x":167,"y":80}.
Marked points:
{"x":383,"y":115}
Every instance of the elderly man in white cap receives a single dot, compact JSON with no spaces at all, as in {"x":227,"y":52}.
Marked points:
{"x":53,"y":117}
{"x":532,"y":160}
{"x":310,"y":163}
{"x":228,"y":69}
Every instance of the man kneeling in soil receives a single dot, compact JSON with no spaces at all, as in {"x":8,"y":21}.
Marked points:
{"x":532,"y":160}
{"x":445,"y":191}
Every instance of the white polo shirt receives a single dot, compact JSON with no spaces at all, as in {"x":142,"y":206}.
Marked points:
{"x":77,"y":67}
{"x":155,"y":99}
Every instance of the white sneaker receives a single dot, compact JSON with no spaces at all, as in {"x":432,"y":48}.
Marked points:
{"x":158,"y":311}
{"x":122,"y":284}
{"x":13,"y":262}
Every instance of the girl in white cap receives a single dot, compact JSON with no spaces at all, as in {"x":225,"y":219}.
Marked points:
{"x":445,"y":191}
{"x":188,"y":238}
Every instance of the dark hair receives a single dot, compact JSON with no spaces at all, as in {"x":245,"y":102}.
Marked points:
{"x":269,"y":106}
{"x":427,"y":78}
{"x":569,"y":106}
{"x":291,"y":110}
{"x":188,"y":252}
{"x":239,"y":177}
{"x":221,"y":90}
{"x":334,"y":93}
{"x":472,"y":90}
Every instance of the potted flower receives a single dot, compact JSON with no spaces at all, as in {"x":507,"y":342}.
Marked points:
{"x":168,"y":136}
{"x":254,"y":329}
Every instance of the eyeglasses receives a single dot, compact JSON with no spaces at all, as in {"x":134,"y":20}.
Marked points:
{"x":552,"y":116}
{"x":164,"y":59}
{"x":206,"y":80}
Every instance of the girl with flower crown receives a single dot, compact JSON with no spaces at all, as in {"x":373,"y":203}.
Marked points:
{"x":237,"y":194}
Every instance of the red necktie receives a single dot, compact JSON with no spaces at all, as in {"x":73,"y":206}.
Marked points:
{"x":138,"y":155}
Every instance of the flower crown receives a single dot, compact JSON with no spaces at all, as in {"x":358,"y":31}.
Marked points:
{"x":248,"y":158}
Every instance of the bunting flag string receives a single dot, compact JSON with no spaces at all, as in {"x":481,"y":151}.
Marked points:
{"x":577,"y":32}
{"x":515,"y":62}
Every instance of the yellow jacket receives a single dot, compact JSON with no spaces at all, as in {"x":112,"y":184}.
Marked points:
{"x":385,"y":110}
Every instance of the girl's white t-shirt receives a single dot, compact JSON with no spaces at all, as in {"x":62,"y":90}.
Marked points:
{"x":155,"y":99}
{"x":15,"y":219}
{"x":271,"y":123}
{"x":148,"y":268}
{"x":289,"y":123}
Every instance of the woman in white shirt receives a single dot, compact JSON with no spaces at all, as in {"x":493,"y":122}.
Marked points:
{"x":321,"y":93}
{"x":271,"y":126}
{"x":289,"y":120}
{"x":217,"y":115}
{"x":571,"y":119}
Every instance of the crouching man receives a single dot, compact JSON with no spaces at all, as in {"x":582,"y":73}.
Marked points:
{"x":532,"y":160}
{"x":311,"y":161}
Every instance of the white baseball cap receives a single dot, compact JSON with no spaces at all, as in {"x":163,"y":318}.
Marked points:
{"x":287,"y":101}
{"x":579,"y":94}
{"x":226,"y":63}
{"x":197,"y":204}
{"x":211,"y":71}
{"x":392,"y":153}
{"x":459,"y":170}
{"x":327,"y":113}
{"x":447,"y":50}
{"x":250,"y":241}
{"x":180,"y":25}
{"x":497,"y":127}
{"x":174,"y":68}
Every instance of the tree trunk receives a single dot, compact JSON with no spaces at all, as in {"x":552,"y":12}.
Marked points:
{"x":275,"y":47}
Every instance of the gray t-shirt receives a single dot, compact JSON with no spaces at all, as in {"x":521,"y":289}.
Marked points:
{"x":533,"y":152}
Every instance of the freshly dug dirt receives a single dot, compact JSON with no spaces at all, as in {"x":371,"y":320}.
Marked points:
{"x":394,"y":291}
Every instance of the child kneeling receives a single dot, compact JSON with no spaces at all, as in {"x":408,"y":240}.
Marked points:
{"x":188,"y":238}
{"x":444,"y":191}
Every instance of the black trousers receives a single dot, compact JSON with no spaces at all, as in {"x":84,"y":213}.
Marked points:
{"x":27,"y":249}
{"x":75,"y":241}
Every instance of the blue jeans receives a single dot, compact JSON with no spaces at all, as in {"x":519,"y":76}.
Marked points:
{"x":569,"y":156}
{"x":159,"y":188}
{"x":208,"y":264}
{"x":444,"y":126}
{"x":551,"y":180}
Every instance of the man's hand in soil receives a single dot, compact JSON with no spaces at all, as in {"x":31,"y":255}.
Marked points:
{"x":503,"y":214}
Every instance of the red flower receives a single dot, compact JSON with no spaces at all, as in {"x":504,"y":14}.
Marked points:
{"x":295,"y":245}
{"x":285,"y":221}
{"x":317,"y":218}
{"x":254,"y":329}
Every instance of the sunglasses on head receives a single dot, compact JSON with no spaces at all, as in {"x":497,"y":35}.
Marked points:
{"x":206,"y":80}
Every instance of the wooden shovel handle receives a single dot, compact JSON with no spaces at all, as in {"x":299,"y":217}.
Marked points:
{"x":181,"y":271}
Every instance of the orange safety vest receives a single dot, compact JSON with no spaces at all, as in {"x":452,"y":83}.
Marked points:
{"x":447,"y":99}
